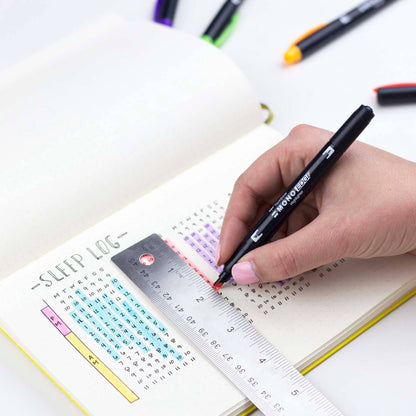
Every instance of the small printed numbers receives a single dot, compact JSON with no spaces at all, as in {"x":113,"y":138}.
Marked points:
{"x":120,"y":330}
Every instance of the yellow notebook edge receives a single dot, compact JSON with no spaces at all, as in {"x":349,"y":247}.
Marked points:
{"x":43,"y":371}
{"x":303,"y":372}
{"x":347,"y":340}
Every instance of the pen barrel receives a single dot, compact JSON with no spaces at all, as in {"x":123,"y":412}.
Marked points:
{"x":337,"y":27}
{"x":364,"y":10}
{"x":170,"y":9}
{"x":222,"y":19}
{"x":300,"y":188}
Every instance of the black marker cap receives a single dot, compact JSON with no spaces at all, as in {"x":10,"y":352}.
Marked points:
{"x":396,"y":94}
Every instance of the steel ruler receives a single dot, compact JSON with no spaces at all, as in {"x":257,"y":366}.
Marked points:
{"x":249,"y":361}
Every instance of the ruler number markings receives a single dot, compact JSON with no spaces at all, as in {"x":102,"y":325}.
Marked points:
{"x":227,"y":339}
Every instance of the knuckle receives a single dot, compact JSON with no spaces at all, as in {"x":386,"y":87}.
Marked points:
{"x":343,"y":236}
{"x":299,"y":131}
{"x":310,"y":133}
{"x":284,"y":263}
{"x":240,"y":182}
{"x":242,"y":187}
{"x":287,"y":150}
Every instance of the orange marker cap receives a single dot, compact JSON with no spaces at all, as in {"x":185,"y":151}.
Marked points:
{"x":294,"y":54}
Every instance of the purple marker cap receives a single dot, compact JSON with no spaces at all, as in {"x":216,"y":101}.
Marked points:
{"x":166,"y":22}
{"x":165,"y":11}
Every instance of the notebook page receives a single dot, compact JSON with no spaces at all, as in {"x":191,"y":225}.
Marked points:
{"x":75,"y":309}
{"x":102,"y":117}
{"x":78,"y":289}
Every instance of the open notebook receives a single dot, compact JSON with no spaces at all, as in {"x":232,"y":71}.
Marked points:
{"x":123,"y":130}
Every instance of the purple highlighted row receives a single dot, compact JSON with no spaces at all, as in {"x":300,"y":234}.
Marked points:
{"x":205,"y":245}
{"x":211,"y":240}
{"x":212,"y":231}
{"x":209,"y":248}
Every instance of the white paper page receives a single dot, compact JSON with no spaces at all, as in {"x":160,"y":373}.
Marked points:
{"x":188,"y":211}
{"x":82,"y":267}
{"x":103,"y":116}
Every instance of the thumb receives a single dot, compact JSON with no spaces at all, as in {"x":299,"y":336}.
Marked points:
{"x":317,"y":243}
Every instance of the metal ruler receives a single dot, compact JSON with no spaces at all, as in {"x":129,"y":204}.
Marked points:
{"x":252,"y":364}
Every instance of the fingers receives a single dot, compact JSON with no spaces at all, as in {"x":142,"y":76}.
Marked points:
{"x":316,"y":244}
{"x":251,"y":197}
{"x":258,"y":187}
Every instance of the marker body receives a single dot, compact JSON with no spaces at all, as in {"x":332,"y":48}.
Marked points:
{"x":396,"y":94}
{"x":325,"y":34}
{"x":222,"y":19}
{"x":279,"y":212}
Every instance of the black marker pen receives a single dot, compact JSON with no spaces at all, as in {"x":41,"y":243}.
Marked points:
{"x":300,"y":187}
{"x":323,"y":34}
{"x":221,"y":20}
{"x":396,"y":94}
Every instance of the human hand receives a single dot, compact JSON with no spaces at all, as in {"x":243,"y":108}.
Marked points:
{"x":364,"y":207}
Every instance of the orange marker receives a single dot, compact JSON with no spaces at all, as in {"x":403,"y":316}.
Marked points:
{"x":325,"y":33}
{"x":294,"y":53}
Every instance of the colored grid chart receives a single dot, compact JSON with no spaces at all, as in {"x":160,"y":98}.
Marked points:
{"x":91,"y":357}
{"x":122,"y":322}
{"x":205,"y":244}
{"x":111,"y":323}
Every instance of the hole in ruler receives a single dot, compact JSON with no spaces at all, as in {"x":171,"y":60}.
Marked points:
{"x":147,"y":259}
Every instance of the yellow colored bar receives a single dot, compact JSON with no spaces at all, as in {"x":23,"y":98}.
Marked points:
{"x":101,"y":367}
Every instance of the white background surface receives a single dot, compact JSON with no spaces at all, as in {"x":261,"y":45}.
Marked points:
{"x":374,"y":374}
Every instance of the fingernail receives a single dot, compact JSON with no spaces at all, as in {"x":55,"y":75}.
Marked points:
{"x":244,"y":274}
{"x":217,"y":253}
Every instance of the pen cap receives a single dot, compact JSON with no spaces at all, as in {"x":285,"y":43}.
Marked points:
{"x":165,"y":11}
{"x":352,"y":128}
{"x":396,"y":95}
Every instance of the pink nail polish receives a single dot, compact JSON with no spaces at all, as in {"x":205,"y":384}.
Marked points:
{"x":244,"y":274}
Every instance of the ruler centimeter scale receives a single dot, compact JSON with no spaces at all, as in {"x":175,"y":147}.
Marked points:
{"x":249,"y":361}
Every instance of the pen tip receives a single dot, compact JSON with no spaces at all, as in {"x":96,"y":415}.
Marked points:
{"x":223,"y":278}
{"x":218,"y":282}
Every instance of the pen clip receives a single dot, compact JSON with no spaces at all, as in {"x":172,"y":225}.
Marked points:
{"x":225,"y":34}
{"x":308,"y":33}
{"x":409,"y":84}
